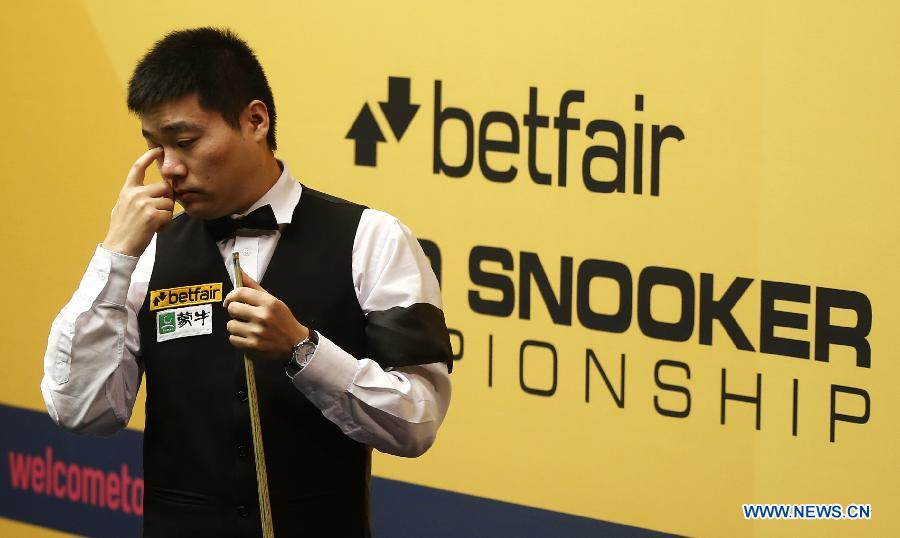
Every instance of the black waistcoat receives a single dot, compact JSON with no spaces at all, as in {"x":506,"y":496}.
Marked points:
{"x":199,"y":470}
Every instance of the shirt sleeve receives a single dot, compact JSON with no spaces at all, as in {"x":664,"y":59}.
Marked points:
{"x":91,"y":374}
{"x":396,"y":410}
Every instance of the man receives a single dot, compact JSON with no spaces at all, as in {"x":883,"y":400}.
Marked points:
{"x":348,"y":341}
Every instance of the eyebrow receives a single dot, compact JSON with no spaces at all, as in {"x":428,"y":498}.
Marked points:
{"x":173,"y":128}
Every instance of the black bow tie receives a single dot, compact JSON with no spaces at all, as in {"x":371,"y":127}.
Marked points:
{"x":261,"y":218}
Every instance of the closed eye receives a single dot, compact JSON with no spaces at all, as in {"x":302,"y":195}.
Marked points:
{"x":184,"y":144}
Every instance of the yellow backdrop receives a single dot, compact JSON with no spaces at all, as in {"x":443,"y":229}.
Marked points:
{"x":786,"y":172}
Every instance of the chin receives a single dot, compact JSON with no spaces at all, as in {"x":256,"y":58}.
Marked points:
{"x":199,"y":211}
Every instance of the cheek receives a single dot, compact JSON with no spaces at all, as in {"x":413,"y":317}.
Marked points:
{"x":227,"y":168}
{"x":210,"y":166}
{"x":217,"y":155}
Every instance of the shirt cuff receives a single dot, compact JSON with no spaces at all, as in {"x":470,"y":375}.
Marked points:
{"x":112,"y":271}
{"x":330,"y":371}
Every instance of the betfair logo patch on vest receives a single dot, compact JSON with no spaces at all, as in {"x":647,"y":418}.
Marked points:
{"x":186,"y":295}
{"x":181,"y":322}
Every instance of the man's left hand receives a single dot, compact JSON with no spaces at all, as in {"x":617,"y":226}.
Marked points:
{"x":261,"y":324}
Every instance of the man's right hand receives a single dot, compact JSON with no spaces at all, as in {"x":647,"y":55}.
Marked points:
{"x":141,"y":210}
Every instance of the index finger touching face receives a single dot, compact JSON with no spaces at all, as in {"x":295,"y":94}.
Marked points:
{"x":139,"y":168}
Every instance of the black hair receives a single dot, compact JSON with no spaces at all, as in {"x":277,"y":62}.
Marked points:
{"x":214,"y":63}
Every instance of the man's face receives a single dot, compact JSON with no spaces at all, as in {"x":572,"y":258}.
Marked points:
{"x":208,"y":163}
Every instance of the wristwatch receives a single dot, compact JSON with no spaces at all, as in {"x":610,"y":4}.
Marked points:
{"x":301,"y":354}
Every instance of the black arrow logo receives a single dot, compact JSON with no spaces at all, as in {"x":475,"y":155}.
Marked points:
{"x":398,"y":109}
{"x":367,"y":134}
{"x":159,"y":298}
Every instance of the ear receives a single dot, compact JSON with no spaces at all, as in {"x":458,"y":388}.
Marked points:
{"x":257,"y":120}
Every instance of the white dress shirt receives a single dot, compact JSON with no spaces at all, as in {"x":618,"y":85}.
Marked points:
{"x":92,"y":375}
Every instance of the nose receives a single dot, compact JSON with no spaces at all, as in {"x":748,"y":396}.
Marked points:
{"x":172,"y":168}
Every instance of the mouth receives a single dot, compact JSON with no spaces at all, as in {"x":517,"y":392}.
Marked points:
{"x":186,"y":194}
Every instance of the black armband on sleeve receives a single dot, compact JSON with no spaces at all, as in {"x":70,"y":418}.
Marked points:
{"x":405,"y":336}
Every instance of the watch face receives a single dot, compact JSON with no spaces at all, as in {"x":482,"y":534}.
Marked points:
{"x":306,"y":352}
{"x":301,"y":355}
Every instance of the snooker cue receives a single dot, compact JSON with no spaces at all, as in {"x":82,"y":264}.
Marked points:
{"x":262,"y":481}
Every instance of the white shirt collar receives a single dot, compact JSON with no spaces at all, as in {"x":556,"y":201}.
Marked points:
{"x":283,"y":196}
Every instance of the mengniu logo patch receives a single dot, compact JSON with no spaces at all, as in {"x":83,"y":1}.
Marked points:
{"x":186,"y":296}
{"x":185,"y":321}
